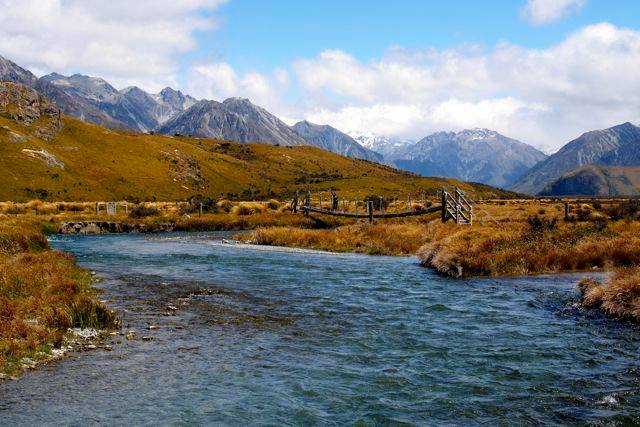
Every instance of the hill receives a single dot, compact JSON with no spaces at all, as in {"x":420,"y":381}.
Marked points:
{"x":596,"y":180}
{"x":331,"y":139}
{"x":235,"y":119}
{"x":94,"y":100}
{"x":478,"y":155}
{"x":591,"y":147}
{"x":80,"y":161}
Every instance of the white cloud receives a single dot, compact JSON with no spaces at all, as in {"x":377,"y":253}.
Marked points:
{"x":540,"y":12}
{"x":541,"y":96}
{"x":544,"y":97}
{"x":219,"y":81}
{"x":126,"y":42}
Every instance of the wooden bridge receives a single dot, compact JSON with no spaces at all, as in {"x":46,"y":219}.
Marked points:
{"x":454,"y":206}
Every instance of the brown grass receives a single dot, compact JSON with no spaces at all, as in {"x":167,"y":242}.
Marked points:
{"x":42,"y":294}
{"x":619,"y":297}
{"x":492,"y":252}
{"x":380,"y":239}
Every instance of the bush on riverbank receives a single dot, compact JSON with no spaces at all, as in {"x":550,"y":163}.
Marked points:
{"x":42,"y":294}
{"x":378,"y":239}
{"x":618,"y":297}
{"x":493,"y":251}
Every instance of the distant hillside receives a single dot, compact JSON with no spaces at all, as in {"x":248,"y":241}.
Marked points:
{"x":593,"y":180}
{"x":478,"y":155}
{"x":592,"y":147}
{"x":329,"y":138}
{"x":48,"y":156}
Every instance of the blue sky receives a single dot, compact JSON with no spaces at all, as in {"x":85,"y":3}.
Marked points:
{"x":542,"y":71}
{"x":262,"y":35}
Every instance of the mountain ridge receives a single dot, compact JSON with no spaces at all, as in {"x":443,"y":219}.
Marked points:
{"x":589,"y":148}
{"x":330,"y":138}
{"x":82,"y":161}
{"x":478,"y":155}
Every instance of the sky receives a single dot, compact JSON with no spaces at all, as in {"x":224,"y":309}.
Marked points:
{"x":541,"y":71}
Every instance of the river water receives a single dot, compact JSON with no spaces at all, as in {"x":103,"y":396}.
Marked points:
{"x":277,"y":336}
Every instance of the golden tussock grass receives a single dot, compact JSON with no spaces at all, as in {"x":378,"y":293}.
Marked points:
{"x":42,"y":294}
{"x":517,"y":250}
{"x":618,"y":297}
{"x":378,"y":239}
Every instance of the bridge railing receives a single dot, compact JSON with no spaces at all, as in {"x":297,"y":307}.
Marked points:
{"x":454,"y":206}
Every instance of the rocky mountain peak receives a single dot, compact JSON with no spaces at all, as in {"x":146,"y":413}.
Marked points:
{"x":11,"y":72}
{"x":26,"y":106}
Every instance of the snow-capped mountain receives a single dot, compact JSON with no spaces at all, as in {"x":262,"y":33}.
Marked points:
{"x":479,"y":155}
{"x":380,"y":144}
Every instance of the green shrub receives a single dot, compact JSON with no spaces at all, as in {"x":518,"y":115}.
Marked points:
{"x":142,"y":211}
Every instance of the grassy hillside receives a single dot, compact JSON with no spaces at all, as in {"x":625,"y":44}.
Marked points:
{"x":87,"y":162}
{"x":594,"y":180}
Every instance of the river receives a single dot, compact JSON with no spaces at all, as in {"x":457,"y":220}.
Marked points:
{"x":256,"y":335}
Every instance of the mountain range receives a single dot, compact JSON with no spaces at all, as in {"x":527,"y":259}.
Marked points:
{"x":48,"y":155}
{"x":478,"y":155}
{"x":615,"y":146}
{"x":94,"y":100}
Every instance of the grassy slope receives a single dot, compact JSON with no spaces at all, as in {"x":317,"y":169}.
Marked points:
{"x":597,"y":180}
{"x":101,"y":164}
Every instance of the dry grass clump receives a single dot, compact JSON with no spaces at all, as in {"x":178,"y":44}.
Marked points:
{"x":42,"y":294}
{"x":539,"y":248}
{"x":41,"y":208}
{"x":273,"y":204}
{"x":247,"y":208}
{"x":225,"y":205}
{"x":619,"y":297}
{"x":378,"y":239}
{"x":75,"y":207}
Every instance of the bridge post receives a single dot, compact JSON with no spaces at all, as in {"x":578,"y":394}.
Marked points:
{"x":444,"y":206}
{"x":370,"y":208}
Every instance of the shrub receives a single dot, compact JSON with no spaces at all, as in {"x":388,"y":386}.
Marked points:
{"x":194,"y":203}
{"x":619,"y":297}
{"x":225,"y":205}
{"x":247,"y":208}
{"x":273,"y":204}
{"x":143,"y":211}
{"x":539,"y":223}
{"x":628,"y":210}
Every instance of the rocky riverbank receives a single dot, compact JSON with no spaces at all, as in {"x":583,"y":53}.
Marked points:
{"x":106,"y":227}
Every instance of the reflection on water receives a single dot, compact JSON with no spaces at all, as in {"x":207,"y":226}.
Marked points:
{"x":255,"y":335}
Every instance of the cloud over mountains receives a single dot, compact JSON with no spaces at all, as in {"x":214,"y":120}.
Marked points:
{"x":543,"y":96}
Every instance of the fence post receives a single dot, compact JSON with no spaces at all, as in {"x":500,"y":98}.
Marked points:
{"x":370,"y":206}
{"x":566,"y":211}
{"x":294,"y":203}
{"x":444,"y":206}
{"x":97,"y":208}
{"x":200,"y":213}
